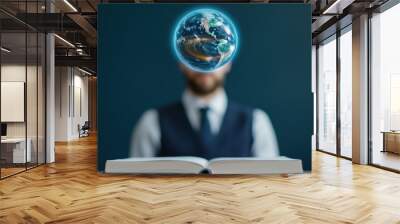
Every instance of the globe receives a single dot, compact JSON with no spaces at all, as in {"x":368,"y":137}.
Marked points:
{"x":205,"y":39}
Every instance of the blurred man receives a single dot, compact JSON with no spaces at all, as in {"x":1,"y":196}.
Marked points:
{"x":205,"y":123}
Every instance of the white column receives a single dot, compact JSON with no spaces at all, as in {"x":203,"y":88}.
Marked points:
{"x":50,"y":99}
{"x":50,"y":92}
{"x":360,"y":90}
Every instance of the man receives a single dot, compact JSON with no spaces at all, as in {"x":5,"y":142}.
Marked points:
{"x":205,"y":124}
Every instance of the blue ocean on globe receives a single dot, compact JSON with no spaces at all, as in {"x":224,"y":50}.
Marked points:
{"x":205,"y":39}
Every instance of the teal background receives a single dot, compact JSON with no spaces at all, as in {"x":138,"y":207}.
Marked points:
{"x":137,"y":69}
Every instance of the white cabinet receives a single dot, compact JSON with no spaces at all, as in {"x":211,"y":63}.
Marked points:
{"x":19,"y":154}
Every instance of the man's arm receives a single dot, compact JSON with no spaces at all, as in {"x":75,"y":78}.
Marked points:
{"x":265,"y":143}
{"x":145,"y":141}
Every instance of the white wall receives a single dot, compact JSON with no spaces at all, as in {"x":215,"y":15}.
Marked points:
{"x":81,"y":103}
{"x":71,"y":102}
{"x":61,"y":103}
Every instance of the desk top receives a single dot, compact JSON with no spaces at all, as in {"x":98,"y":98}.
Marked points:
{"x":13,"y":140}
{"x":391,"y":132}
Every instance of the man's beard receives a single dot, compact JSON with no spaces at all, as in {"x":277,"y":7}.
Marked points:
{"x":202,"y":90}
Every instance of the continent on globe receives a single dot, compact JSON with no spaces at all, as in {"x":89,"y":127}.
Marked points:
{"x":205,"y":39}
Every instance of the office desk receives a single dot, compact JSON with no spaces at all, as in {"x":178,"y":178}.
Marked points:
{"x":13,"y":150}
{"x":391,"y":141}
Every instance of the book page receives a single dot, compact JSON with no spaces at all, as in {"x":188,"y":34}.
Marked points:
{"x":159,"y":165}
{"x":249,"y":158}
{"x":192,"y":159}
{"x":276,"y":165}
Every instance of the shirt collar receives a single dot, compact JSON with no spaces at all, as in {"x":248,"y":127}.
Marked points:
{"x":216,"y":103}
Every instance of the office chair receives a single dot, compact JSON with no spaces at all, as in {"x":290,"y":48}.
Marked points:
{"x":84,"y":130}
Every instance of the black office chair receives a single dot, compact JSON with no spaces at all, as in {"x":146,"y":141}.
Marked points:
{"x":84,"y":130}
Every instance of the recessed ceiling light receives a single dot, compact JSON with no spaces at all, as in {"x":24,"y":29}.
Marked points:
{"x":5,"y":50}
{"x":337,"y":7}
{"x":64,"y":40}
{"x":84,"y":71}
{"x":70,"y":5}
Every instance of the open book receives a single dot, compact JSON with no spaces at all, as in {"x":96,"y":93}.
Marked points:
{"x":195,"y":165}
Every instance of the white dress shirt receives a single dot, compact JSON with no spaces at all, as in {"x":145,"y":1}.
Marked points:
{"x":146,"y":138}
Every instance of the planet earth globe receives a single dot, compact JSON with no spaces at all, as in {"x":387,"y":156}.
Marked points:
{"x":205,"y":39}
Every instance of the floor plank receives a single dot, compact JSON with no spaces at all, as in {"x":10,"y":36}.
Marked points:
{"x":71,"y":191}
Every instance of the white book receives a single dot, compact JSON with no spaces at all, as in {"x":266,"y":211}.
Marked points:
{"x":195,"y":165}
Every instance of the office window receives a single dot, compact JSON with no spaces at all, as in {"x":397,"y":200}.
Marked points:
{"x":385,"y":88}
{"x":327,"y":95}
{"x":346,"y":92}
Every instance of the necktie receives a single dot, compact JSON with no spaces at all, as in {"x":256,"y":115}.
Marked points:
{"x":205,"y":130}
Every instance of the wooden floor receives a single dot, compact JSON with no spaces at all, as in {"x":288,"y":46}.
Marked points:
{"x":5,"y":172}
{"x":71,"y":191}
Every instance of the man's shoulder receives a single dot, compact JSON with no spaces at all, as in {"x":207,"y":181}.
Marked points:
{"x":149,"y":115}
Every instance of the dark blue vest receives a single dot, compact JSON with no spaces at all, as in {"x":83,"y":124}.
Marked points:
{"x":178,"y":138}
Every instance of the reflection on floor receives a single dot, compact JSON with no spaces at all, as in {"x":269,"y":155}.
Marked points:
{"x":346,"y":152}
{"x":10,"y":169}
{"x":386,"y":159}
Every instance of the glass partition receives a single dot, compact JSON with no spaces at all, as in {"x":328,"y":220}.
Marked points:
{"x":15,"y":150}
{"x":41,"y":96}
{"x":32,"y":95}
{"x":22,"y":78}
